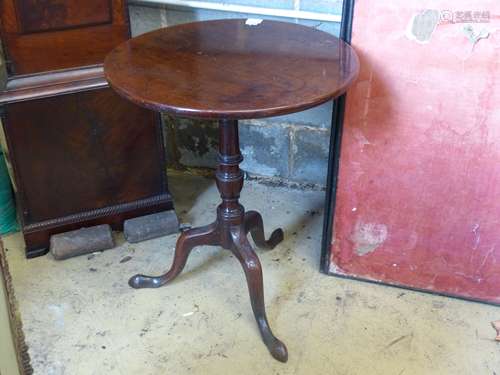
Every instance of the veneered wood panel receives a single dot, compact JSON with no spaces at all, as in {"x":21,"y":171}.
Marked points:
{"x":42,"y":15}
{"x":94,"y":148}
{"x":41,"y":52}
{"x":51,"y":48}
{"x":418,"y":198}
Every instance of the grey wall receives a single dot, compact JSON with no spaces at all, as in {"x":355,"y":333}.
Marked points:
{"x":292,"y":147}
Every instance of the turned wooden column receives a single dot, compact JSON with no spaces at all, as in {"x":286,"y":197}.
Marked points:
{"x":229,"y":179}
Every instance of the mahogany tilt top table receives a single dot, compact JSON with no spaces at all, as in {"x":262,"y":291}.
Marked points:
{"x":230,"y":70}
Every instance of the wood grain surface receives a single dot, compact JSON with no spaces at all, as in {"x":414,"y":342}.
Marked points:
{"x":228,"y":69}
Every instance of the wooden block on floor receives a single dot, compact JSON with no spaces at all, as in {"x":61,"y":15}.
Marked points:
{"x":81,"y":241}
{"x":150,"y":226}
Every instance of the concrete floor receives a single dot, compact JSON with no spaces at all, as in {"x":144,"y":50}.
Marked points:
{"x":81,"y":317}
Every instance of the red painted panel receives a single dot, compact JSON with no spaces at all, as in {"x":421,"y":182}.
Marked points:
{"x":418,"y":200}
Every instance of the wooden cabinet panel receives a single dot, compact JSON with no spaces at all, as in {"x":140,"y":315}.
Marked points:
{"x":92,"y":146}
{"x":44,"y":15}
{"x":81,"y":154}
{"x":58,"y":34}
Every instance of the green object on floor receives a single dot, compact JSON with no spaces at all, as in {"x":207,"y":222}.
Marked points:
{"x":8,"y":221}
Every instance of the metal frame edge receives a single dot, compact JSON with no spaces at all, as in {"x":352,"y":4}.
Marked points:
{"x":334,"y":152}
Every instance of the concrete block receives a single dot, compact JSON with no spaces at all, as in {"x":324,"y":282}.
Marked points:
{"x":180,"y":15}
{"x":309,"y":157}
{"x":320,"y":116}
{"x":150,"y":226}
{"x":172,"y":152}
{"x":322,"y":6}
{"x":265,"y":148}
{"x":184,"y":15}
{"x":81,"y":241}
{"x":197,"y":142}
{"x":328,"y":27}
{"x":279,"y":4}
{"x":145,"y":18}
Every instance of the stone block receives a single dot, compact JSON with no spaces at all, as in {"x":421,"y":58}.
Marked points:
{"x":320,"y":116}
{"x":81,"y":241}
{"x":322,"y":6}
{"x":144,"y":18}
{"x":265,"y":148}
{"x":309,"y":155}
{"x":171,"y":150}
{"x":150,"y":226}
{"x":328,"y":27}
{"x":197,"y":142}
{"x":183,"y":15}
{"x":176,"y":16}
{"x":278,"y":4}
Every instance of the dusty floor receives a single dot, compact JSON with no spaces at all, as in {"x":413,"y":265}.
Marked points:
{"x":81,"y":317}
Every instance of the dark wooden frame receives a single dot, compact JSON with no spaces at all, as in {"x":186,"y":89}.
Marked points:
{"x":334,"y":152}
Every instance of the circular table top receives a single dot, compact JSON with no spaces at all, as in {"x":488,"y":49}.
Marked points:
{"x":229,"y":69}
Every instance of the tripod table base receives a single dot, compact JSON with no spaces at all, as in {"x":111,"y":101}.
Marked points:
{"x":229,"y":231}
